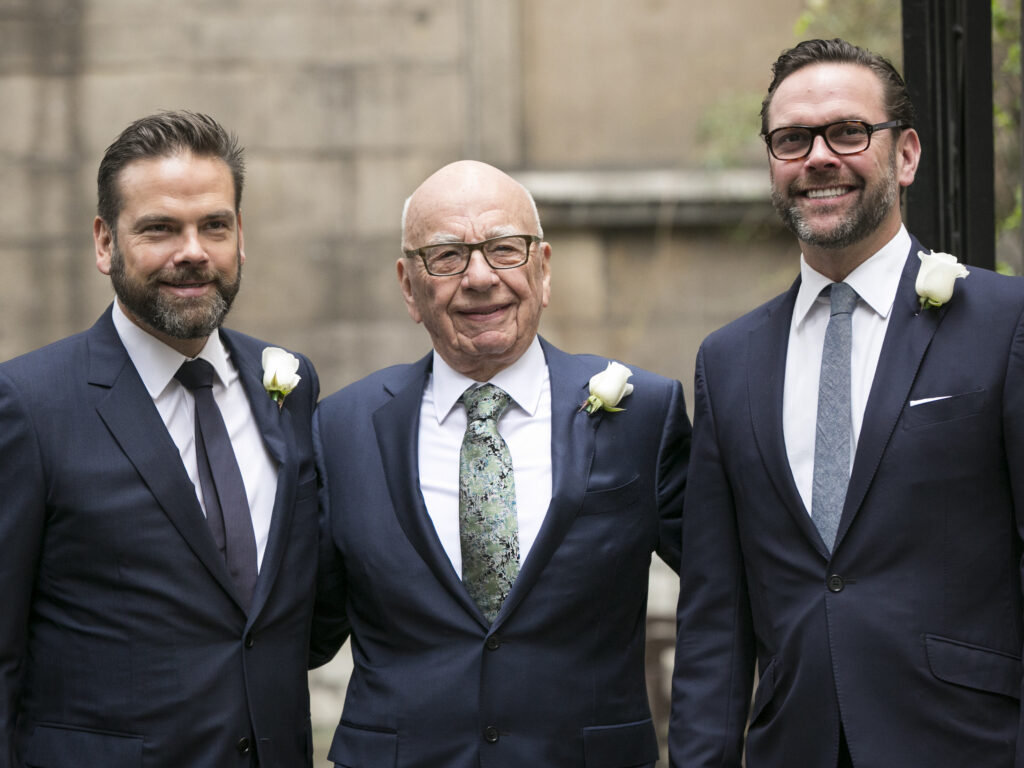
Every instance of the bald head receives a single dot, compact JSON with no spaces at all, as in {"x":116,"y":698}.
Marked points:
{"x":482,"y":319}
{"x":465,"y":188}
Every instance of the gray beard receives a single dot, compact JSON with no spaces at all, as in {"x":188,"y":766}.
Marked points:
{"x":177,"y":318}
{"x":865,"y":218}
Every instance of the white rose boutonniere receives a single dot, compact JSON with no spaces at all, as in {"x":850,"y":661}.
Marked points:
{"x":279,"y":373}
{"x":935,"y":279}
{"x":607,"y":388}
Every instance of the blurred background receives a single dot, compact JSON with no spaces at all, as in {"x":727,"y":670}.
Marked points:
{"x":634,"y":124}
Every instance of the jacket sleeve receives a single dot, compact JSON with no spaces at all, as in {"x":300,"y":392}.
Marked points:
{"x":22,"y":516}
{"x":714,"y":664}
{"x":673,"y":460}
{"x":330,"y":623}
{"x":1013,"y":424}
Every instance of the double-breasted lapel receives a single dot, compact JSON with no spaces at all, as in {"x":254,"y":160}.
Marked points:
{"x":907,"y":338}
{"x":573,"y":436}
{"x":766,"y":376}
{"x":129,"y":413}
{"x":275,"y":425}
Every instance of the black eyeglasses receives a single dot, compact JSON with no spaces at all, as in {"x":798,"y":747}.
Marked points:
{"x":847,"y":137}
{"x":504,"y":252}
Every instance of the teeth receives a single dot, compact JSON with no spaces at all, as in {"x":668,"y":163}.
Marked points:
{"x":830,"y":192}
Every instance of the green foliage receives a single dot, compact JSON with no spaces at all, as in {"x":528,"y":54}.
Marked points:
{"x":871,"y":24}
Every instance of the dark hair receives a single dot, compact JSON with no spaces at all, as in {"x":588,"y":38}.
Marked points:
{"x":897,"y":102}
{"x":162,"y":135}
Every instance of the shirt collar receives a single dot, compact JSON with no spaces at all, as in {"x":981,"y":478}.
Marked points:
{"x":157,"y":362}
{"x":875,"y":281}
{"x":523,"y":381}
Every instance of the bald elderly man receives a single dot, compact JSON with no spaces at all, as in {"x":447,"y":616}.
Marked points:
{"x":485,"y":541}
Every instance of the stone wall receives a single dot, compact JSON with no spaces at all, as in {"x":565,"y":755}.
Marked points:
{"x":346,"y":105}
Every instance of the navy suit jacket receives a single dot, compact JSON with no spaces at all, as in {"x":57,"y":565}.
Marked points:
{"x":122,"y":639}
{"x":909,"y":634}
{"x":558,"y":680}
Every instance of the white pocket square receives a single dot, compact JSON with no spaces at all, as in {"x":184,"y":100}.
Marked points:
{"x":924,"y":400}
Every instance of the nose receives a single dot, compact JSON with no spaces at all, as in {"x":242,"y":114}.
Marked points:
{"x":479,"y":275}
{"x":191,"y":248}
{"x":820,"y":155}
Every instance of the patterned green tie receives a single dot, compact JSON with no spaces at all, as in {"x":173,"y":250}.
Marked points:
{"x":488,"y":528}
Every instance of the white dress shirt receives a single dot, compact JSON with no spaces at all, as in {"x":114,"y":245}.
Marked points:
{"x":157,"y":363}
{"x":525,"y":427}
{"x":876,"y":282}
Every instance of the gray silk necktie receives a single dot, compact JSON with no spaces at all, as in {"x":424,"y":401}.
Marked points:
{"x":227,"y":508}
{"x":832,"y":437}
{"x":488,"y":526}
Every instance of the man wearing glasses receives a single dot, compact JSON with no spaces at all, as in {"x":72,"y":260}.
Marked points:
{"x":486,"y":540}
{"x":853,"y":520}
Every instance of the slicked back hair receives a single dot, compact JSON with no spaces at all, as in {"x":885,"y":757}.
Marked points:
{"x":896,"y":100}
{"x":164,"y":134}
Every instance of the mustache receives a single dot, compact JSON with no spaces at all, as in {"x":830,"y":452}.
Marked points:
{"x":185,"y":275}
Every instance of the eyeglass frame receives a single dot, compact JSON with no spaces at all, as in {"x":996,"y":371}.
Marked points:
{"x":531,"y":240}
{"x":819,"y":130}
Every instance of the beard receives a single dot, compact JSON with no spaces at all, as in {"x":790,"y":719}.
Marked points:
{"x":178,"y":317}
{"x":867,"y":215}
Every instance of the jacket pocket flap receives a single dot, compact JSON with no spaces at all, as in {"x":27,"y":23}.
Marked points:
{"x":620,"y":746}
{"x":974,"y":666}
{"x":360,"y":747}
{"x":52,"y":746}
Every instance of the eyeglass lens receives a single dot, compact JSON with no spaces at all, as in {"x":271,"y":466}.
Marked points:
{"x":452,"y":258}
{"x":842,"y":138}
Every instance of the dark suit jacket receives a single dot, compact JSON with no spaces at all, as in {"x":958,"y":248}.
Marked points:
{"x":122,"y":640}
{"x":558,"y":680}
{"x":910,"y":633}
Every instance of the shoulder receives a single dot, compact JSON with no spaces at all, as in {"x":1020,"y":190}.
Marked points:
{"x":377,"y":387}
{"x":251,"y":347}
{"x":51,"y":364}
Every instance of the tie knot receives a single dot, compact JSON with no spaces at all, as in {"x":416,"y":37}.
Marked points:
{"x":195,"y":374}
{"x":843,"y":298}
{"x":485,"y":403}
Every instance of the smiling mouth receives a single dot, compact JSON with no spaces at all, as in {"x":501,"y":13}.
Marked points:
{"x":826,"y":192}
{"x":482,"y":313}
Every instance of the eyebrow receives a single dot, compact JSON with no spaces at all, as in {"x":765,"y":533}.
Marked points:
{"x":145,"y":220}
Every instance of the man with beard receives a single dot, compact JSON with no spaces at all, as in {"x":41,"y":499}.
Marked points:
{"x":158,"y":528}
{"x":854,"y":513}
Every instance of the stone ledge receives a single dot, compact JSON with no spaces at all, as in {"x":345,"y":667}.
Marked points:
{"x":655,"y":198}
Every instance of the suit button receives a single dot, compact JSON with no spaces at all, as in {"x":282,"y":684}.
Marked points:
{"x":249,"y":640}
{"x":490,"y":734}
{"x":835,"y":583}
{"x":493,"y":643}
{"x":243,"y":746}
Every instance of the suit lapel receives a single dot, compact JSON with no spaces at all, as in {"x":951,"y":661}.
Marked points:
{"x":275,"y":425}
{"x":572,"y":453}
{"x":766,"y":376}
{"x":133,"y":420}
{"x":907,"y":338}
{"x":396,"y":424}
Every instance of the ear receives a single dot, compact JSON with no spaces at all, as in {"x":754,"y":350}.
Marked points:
{"x":405,"y":283}
{"x":544,"y":254}
{"x":241,"y":240}
{"x":908,"y":151}
{"x":103,"y":239}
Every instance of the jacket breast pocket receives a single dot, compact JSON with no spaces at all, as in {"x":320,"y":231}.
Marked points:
{"x":361,"y":747}
{"x":944,"y":409}
{"x":980,"y":668}
{"x":602,"y":500}
{"x":620,"y":746}
{"x":54,"y":746}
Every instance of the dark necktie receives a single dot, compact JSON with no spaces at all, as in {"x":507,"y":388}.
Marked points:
{"x":488,"y":525}
{"x":227,"y":508}
{"x":834,"y":426}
